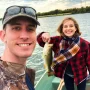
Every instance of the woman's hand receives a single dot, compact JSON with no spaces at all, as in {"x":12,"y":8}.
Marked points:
{"x":46,"y":37}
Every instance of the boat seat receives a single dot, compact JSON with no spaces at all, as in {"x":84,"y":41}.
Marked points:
{"x":55,"y":82}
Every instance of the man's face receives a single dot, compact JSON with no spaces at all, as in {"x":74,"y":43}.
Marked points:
{"x":20,"y":38}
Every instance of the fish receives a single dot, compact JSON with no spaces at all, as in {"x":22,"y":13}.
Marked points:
{"x":48,"y":57}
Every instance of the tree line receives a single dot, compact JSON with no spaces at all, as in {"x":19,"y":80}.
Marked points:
{"x":66,"y":11}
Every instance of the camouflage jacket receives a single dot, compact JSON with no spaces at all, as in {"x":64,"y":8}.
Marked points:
{"x":12,"y":81}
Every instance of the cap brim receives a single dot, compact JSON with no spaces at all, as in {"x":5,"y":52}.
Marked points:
{"x":24,"y":15}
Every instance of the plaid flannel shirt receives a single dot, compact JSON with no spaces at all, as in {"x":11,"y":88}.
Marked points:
{"x":80,"y":63}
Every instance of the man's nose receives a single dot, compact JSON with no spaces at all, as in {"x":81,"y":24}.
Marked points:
{"x":24,"y":34}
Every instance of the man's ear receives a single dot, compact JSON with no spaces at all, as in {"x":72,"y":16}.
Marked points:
{"x":2,"y":35}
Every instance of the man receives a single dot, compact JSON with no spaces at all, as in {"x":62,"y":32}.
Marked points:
{"x":19,"y":36}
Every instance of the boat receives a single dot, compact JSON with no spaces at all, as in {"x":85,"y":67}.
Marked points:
{"x":53,"y":83}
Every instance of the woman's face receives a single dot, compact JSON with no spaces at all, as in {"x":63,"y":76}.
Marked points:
{"x":69,"y":28}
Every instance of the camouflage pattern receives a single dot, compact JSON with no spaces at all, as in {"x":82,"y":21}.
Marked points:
{"x":11,"y":80}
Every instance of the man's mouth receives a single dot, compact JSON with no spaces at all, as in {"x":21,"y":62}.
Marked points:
{"x":23,"y":45}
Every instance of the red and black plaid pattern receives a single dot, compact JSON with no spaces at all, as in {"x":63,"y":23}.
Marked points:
{"x":69,"y":52}
{"x":79,"y":63}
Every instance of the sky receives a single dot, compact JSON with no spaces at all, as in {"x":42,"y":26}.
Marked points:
{"x":44,"y":5}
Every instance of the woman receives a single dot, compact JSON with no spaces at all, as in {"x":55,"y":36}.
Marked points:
{"x":71,"y":53}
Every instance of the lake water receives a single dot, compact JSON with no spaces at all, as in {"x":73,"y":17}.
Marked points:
{"x":50,"y":24}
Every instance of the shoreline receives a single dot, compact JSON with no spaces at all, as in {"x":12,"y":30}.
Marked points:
{"x":54,"y":15}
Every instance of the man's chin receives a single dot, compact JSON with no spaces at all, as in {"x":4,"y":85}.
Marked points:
{"x":25,"y":56}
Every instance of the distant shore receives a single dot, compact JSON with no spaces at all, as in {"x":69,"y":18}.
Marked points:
{"x":53,"y":15}
{"x":50,"y":15}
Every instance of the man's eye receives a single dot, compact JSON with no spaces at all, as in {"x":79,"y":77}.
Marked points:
{"x":31,"y":29}
{"x":16,"y":28}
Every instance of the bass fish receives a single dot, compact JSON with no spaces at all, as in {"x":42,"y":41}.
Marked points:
{"x":47,"y":56}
